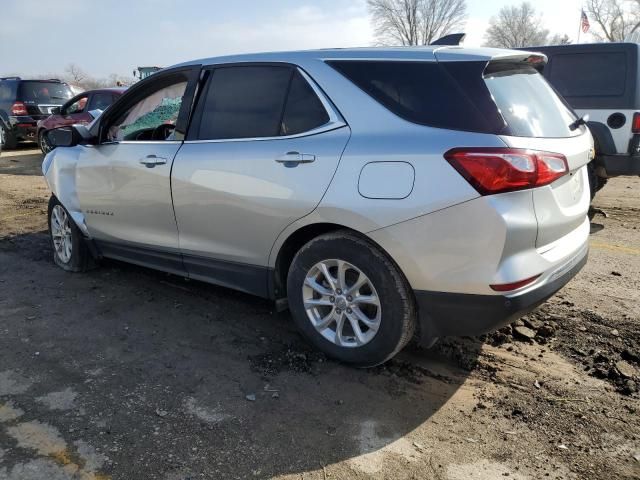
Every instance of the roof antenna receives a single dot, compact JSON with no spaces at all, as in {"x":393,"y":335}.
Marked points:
{"x":453,"y":39}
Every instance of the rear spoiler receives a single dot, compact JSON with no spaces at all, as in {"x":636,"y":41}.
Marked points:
{"x":453,"y":39}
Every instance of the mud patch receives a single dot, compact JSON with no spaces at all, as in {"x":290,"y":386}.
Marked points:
{"x":38,"y":436}
{"x":292,"y":358}
{"x":63,"y":400}
{"x":12,"y":383}
{"x":205,"y":414}
{"x":9,"y":413}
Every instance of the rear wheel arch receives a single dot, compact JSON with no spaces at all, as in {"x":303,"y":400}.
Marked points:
{"x":298,"y":239}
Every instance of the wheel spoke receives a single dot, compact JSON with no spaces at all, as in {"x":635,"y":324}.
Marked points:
{"x":339,"y":329}
{"x":367,"y":300}
{"x":368,"y":322}
{"x":356,"y":329}
{"x":325,"y":272}
{"x":342,"y":271}
{"x":326,"y":321}
{"x":318,"y":302}
{"x":311,"y":282}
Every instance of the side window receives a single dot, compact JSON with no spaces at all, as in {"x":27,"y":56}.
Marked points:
{"x":100,"y":101}
{"x":303,"y":110}
{"x":589,"y":74}
{"x":76,"y":107}
{"x":152,"y":118}
{"x":244,"y":102}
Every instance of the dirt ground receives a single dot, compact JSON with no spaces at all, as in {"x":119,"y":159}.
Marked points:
{"x":126,"y":373}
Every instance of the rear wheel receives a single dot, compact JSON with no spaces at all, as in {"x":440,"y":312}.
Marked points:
{"x":10,"y":142}
{"x":70,"y":251}
{"x":350,"y":300}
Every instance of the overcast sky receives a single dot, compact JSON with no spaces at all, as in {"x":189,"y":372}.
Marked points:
{"x":115,"y":36}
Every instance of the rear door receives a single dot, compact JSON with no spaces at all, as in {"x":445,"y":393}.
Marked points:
{"x":537,"y":118}
{"x":260,"y":154}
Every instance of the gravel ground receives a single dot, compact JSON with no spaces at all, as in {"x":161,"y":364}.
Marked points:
{"x":127,"y":373}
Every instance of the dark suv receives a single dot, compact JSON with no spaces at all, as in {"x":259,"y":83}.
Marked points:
{"x":602,"y":80}
{"x":24,"y":102}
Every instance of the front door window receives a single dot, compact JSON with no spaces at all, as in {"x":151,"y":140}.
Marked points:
{"x":152,"y":118}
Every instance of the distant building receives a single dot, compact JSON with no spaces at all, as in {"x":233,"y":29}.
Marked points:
{"x":144,"y":72}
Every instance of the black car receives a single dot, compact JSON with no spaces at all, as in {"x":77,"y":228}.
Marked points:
{"x":24,"y":102}
{"x":602,"y":80}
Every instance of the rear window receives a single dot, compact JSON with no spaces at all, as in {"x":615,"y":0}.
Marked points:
{"x":469,"y":96}
{"x":44,"y":92}
{"x":528,"y":104}
{"x":421,"y":92}
{"x":589,"y":74}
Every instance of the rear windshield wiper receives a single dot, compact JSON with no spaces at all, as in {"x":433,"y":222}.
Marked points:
{"x":581,"y":121}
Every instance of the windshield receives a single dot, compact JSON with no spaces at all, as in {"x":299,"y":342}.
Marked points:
{"x":53,"y":93}
{"x":528,"y":104}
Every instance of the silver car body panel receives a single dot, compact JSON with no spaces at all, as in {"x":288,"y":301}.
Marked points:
{"x":234,"y":202}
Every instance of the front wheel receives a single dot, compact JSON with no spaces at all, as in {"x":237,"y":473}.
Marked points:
{"x":70,"y":251}
{"x":350,"y":300}
{"x":45,"y":146}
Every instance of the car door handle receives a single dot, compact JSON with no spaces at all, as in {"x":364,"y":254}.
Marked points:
{"x":291,"y":159}
{"x":151,"y":161}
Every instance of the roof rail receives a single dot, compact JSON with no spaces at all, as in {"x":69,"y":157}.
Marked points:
{"x":54,"y":80}
{"x":10,"y":78}
{"x":452,"y":39}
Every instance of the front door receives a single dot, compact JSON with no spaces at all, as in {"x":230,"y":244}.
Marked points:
{"x":124,"y":182}
{"x":261,"y":152}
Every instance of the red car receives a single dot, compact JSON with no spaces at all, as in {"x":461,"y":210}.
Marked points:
{"x":76,"y":111}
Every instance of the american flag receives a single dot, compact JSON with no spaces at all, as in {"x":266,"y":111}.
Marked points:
{"x":584,"y":23}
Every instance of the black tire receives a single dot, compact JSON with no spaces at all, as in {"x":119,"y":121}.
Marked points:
{"x":10,"y":142}
{"x":398,"y":308}
{"x":81,"y":259}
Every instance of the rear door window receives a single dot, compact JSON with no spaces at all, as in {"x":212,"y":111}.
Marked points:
{"x":303,"y":110}
{"x":589,"y":74}
{"x":44,"y":92}
{"x":100,"y":101}
{"x":244,"y":102}
{"x":528,"y":104}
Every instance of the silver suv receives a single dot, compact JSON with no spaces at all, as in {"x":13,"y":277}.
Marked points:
{"x":381,"y":193}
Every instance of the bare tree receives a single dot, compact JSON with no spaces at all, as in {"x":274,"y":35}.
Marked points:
{"x":559,"y":39}
{"x":75,"y":74}
{"x":515,"y":27}
{"x":416,"y":22}
{"x":615,"y":20}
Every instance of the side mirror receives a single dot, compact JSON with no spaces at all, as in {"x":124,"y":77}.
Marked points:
{"x":68,"y":136}
{"x":56,"y":111}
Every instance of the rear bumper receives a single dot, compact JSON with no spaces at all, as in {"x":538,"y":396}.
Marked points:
{"x":456,"y":314}
{"x":623,"y":164}
{"x":24,"y":128}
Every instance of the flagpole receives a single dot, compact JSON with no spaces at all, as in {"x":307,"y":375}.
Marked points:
{"x":580,"y":24}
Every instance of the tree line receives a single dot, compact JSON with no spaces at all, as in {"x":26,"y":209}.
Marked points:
{"x":420,"y":22}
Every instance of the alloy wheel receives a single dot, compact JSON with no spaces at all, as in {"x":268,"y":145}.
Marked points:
{"x":61,"y":233}
{"x":342,"y":303}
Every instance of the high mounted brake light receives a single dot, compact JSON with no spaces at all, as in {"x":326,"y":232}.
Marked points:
{"x":499,"y":170}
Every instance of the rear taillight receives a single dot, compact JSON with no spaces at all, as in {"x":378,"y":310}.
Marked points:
{"x":18,"y":108}
{"x":635,"y":127}
{"x":498,"y":170}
